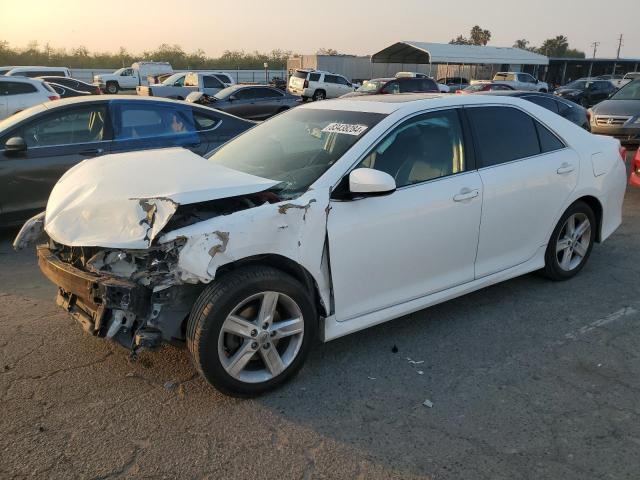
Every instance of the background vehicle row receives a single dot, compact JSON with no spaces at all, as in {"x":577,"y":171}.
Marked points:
{"x":41,"y":143}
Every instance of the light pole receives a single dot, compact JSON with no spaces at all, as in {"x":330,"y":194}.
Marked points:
{"x":266,"y":73}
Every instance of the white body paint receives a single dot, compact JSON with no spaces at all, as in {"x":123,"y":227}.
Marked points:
{"x":389,"y":255}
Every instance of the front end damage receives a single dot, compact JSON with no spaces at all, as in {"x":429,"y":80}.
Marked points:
{"x":136,"y":286}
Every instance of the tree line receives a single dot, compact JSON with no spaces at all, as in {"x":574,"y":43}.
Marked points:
{"x":557,"y":46}
{"x":81,"y":57}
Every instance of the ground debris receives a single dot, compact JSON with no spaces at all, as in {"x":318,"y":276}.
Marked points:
{"x":170,"y":385}
{"x":394,"y":349}
{"x":428,"y":403}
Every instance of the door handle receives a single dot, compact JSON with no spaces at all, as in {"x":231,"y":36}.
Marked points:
{"x":91,"y":151}
{"x":565,"y":168}
{"x":466,"y":194}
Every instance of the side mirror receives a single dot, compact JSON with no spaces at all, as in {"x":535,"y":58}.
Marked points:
{"x":369,"y":181}
{"x":232,"y":98}
{"x":15,"y":144}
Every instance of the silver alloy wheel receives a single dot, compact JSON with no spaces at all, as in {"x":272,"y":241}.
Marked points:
{"x":261,"y":337}
{"x":112,"y":88}
{"x":573,"y":242}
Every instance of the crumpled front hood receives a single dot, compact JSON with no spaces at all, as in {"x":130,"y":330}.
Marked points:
{"x":124,"y":200}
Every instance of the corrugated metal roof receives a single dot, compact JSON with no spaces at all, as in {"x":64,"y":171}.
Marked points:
{"x":423,"y":52}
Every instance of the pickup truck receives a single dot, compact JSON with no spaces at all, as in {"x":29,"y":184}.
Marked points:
{"x":521,"y":81}
{"x":179,"y":85}
{"x":131,"y":77}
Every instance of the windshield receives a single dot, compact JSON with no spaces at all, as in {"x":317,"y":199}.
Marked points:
{"x":631,"y":91}
{"x":172,"y":79}
{"x":119,"y":71}
{"x":371,"y":86}
{"x":577,"y":84}
{"x":295,"y":148}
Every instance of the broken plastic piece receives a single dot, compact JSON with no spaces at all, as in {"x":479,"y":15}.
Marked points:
{"x":428,"y":403}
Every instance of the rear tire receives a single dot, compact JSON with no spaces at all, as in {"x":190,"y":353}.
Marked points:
{"x":112,"y":88}
{"x":571,"y":242}
{"x":319,"y":95}
{"x":237,"y":345}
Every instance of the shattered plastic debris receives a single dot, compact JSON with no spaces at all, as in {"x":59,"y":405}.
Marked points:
{"x":428,"y":403}
{"x":420,"y":372}
{"x":371,"y":378}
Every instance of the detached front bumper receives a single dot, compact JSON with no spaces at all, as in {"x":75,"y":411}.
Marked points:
{"x":103,"y":305}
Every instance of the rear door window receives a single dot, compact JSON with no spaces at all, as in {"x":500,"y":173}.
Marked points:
{"x":204,"y":122}
{"x":16,"y":88}
{"x":314,"y":77}
{"x":548,"y":141}
{"x":211,"y":82}
{"x":152,"y":121}
{"x":503,"y":134}
{"x":330,"y":79}
{"x":544,"y":102}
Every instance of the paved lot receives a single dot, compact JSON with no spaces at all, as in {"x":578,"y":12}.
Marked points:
{"x":528,"y":379}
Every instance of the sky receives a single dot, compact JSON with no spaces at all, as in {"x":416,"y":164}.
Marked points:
{"x":354,"y":27}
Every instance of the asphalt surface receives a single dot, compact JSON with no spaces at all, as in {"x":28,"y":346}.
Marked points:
{"x":527,"y":379}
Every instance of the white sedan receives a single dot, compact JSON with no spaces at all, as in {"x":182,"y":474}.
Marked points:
{"x":323,"y":221}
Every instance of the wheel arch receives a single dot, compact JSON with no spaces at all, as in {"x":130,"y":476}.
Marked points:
{"x":285,"y":264}
{"x":596,"y":206}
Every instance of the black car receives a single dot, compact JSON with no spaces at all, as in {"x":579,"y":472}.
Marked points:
{"x":73,"y":83}
{"x":67,"y":92}
{"x":455,"y":83}
{"x":40,"y":143}
{"x":255,"y":102}
{"x":569,"y":110}
{"x":378,"y":86}
{"x":586,"y":91}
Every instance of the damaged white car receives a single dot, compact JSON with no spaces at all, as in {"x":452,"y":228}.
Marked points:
{"x":325,"y":220}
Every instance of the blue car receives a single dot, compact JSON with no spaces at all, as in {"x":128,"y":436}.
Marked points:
{"x":39,"y":144}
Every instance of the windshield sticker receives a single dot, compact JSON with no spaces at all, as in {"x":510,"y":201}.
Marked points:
{"x":346,"y":128}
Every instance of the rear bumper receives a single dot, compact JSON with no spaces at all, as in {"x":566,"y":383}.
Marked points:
{"x":93,"y":300}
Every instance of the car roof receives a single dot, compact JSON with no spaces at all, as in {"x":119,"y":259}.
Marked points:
{"x":408,"y":102}
{"x":20,"y":79}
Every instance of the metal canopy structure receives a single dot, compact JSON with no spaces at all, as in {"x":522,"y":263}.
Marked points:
{"x":425,"y":53}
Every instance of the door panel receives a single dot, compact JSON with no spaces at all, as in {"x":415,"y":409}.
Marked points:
{"x":521,"y":201}
{"x":391,"y":249}
{"x":28,"y":178}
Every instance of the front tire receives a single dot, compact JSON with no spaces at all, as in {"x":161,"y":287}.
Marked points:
{"x":251,"y":330}
{"x":571,"y":242}
{"x":112,"y":88}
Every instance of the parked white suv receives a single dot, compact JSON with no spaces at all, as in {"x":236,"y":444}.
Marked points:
{"x":318,"y":85}
{"x":521,"y":81}
{"x":129,"y":78}
{"x":38,"y":72}
{"x":18,"y":93}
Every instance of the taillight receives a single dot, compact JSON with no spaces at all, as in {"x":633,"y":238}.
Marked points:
{"x":306,"y":84}
{"x":623,"y":154}
{"x":635,"y":164}
{"x":54,"y":97}
{"x":98,"y":91}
